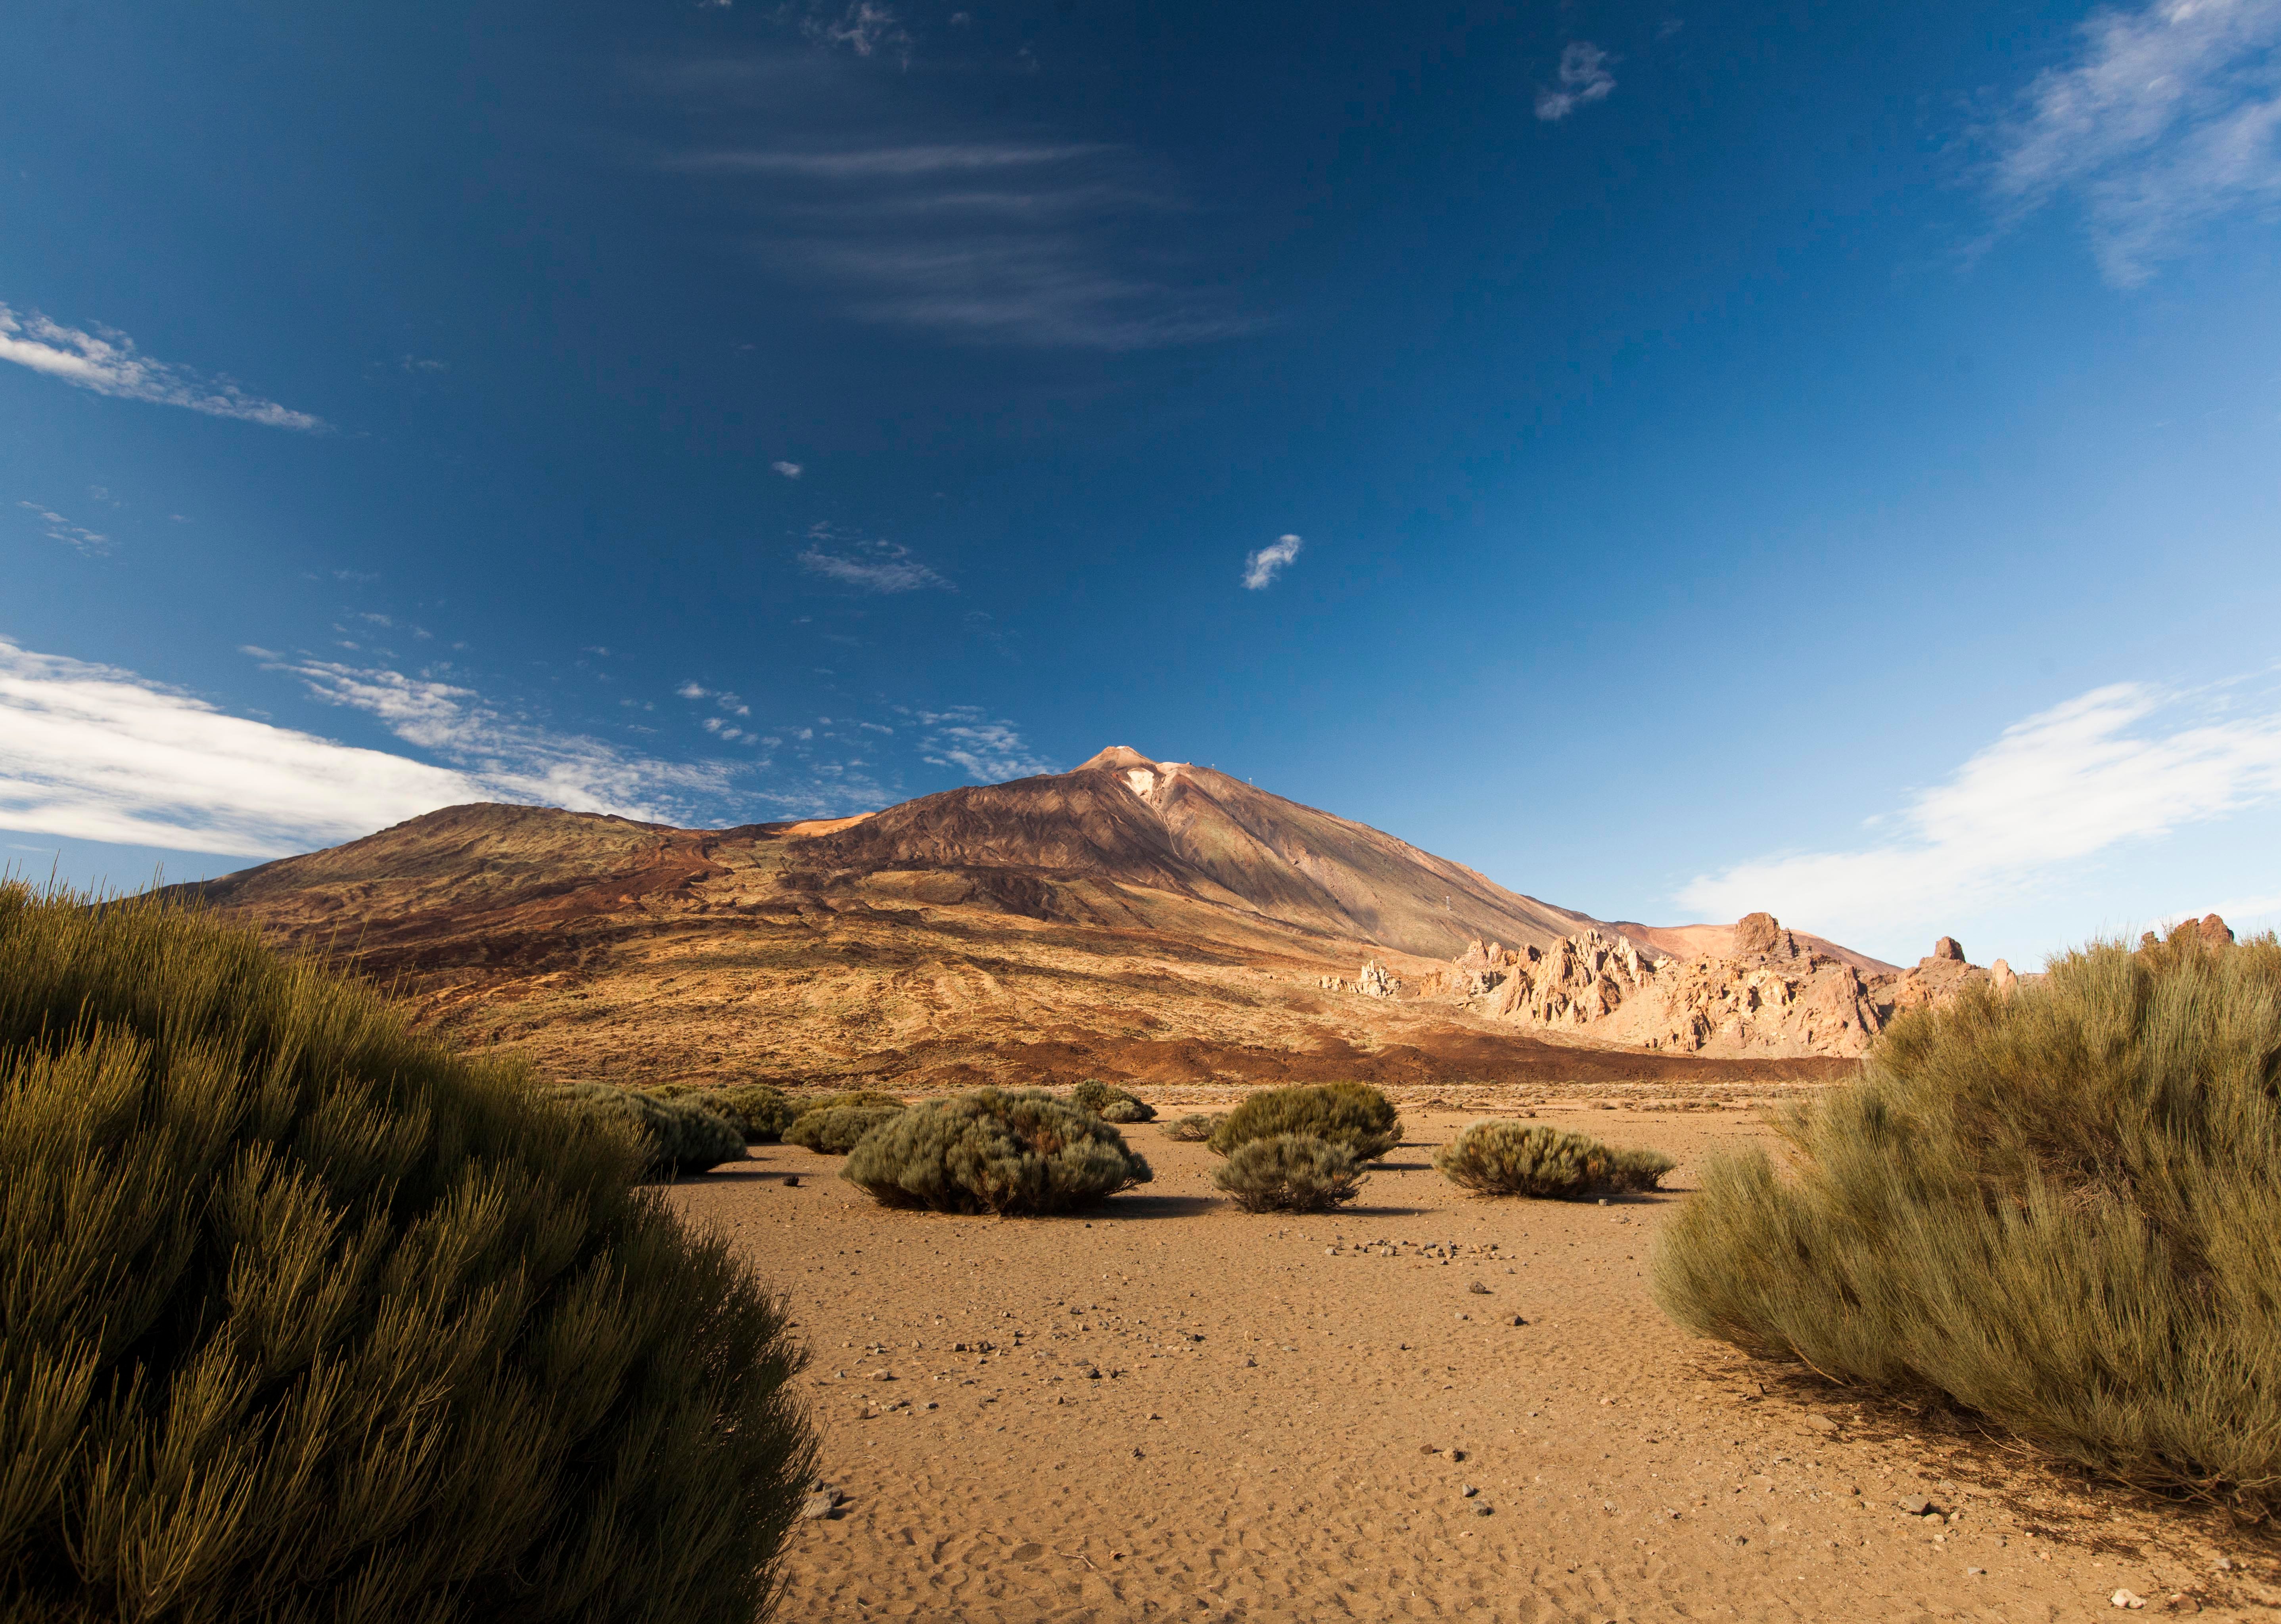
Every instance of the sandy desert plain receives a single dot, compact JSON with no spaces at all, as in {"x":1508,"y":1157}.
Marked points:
{"x":1167,"y":1408}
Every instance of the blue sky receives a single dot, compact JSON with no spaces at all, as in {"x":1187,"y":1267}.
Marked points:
{"x":1678,"y":460}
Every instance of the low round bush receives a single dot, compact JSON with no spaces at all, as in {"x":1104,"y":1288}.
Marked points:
{"x":867,"y":1097}
{"x":835,"y":1130}
{"x":1290,"y":1173}
{"x":310,"y":1318}
{"x":763,"y":1112}
{"x":1355,"y":1114}
{"x":1192,"y":1129}
{"x":2055,"y":1209}
{"x":1526,"y":1158}
{"x":995,"y":1150}
{"x":682,"y":1135}
{"x":1112,"y":1104}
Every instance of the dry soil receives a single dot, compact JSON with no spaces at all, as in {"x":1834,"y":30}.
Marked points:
{"x":1428,"y":1407}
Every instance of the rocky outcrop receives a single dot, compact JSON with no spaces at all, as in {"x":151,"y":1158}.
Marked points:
{"x":1775,"y":997}
{"x":1376,"y":981}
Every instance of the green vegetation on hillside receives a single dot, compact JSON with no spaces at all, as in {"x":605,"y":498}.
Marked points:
{"x":2058,"y":1209}
{"x":681,"y":1134}
{"x":308,"y":1318}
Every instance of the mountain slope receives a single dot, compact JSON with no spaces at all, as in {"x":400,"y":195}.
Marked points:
{"x":1131,"y":919}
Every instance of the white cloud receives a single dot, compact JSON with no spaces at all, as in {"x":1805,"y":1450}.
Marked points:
{"x":513,"y":757}
{"x":94,"y":752}
{"x":1584,"y":79}
{"x":989,"y":752}
{"x":2124,"y":763}
{"x":2167,"y":118}
{"x":1260,"y":568}
{"x":108,"y":363}
{"x":864,"y":27}
{"x":790,"y":470}
{"x":874,"y":567}
{"x":59,"y":529}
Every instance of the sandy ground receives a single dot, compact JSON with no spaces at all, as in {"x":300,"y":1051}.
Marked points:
{"x":1173,"y":1409}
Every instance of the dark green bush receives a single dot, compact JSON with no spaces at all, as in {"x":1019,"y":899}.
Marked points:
{"x":1351,"y":1114}
{"x":1525,"y":1158}
{"x":764,"y":1112}
{"x":308,"y":1318}
{"x":835,"y":1130}
{"x":1112,"y":1104}
{"x":1291,"y":1172}
{"x":2057,"y":1208}
{"x":1192,"y":1129}
{"x":866,"y":1098}
{"x":995,"y":1151}
{"x":682,"y":1135}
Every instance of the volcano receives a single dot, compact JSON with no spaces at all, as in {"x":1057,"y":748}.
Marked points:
{"x":1131,"y":918}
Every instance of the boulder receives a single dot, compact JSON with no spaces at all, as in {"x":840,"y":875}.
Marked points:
{"x":2215,"y":931}
{"x":1376,"y":981}
{"x":1999,"y":974}
{"x":1757,"y":933}
{"x":1948,"y":950}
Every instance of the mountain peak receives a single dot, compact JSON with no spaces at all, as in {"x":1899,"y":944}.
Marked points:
{"x":1117,"y":758}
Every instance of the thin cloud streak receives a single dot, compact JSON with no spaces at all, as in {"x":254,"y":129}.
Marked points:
{"x":874,"y":567}
{"x":2122,"y":763}
{"x":2169,"y":119}
{"x":108,"y":363}
{"x":987,"y":752}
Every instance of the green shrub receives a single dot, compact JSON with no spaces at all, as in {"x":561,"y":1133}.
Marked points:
{"x":683,"y":1136}
{"x":868,"y":1098}
{"x":1351,"y":1114}
{"x":1194,"y":1128}
{"x":2056,"y":1208}
{"x":1291,"y":1172}
{"x":1112,"y":1104}
{"x":763,"y":1112}
{"x":995,"y":1151}
{"x":835,"y":1130}
{"x":1524,"y":1158}
{"x":309,"y":1318}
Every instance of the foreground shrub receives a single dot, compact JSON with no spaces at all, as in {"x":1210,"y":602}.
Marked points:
{"x":1351,"y":1114}
{"x":307,"y":1318}
{"x":1112,"y":1104}
{"x":682,"y":1135}
{"x":1291,"y":1172}
{"x":995,"y":1151}
{"x":1527,"y":1158}
{"x":2056,"y":1208}
{"x":1194,"y":1128}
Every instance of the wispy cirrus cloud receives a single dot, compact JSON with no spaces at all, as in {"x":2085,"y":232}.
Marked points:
{"x":2167,"y":118}
{"x":1584,"y":79}
{"x":512,"y":757}
{"x":988,"y":752}
{"x":1260,"y":568}
{"x":107,"y":363}
{"x":2122,"y":763}
{"x":1029,"y":243}
{"x":57,"y":528}
{"x":871,"y":566}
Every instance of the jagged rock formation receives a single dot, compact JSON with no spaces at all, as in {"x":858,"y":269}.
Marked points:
{"x":1774,"y":995}
{"x":1376,"y":981}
